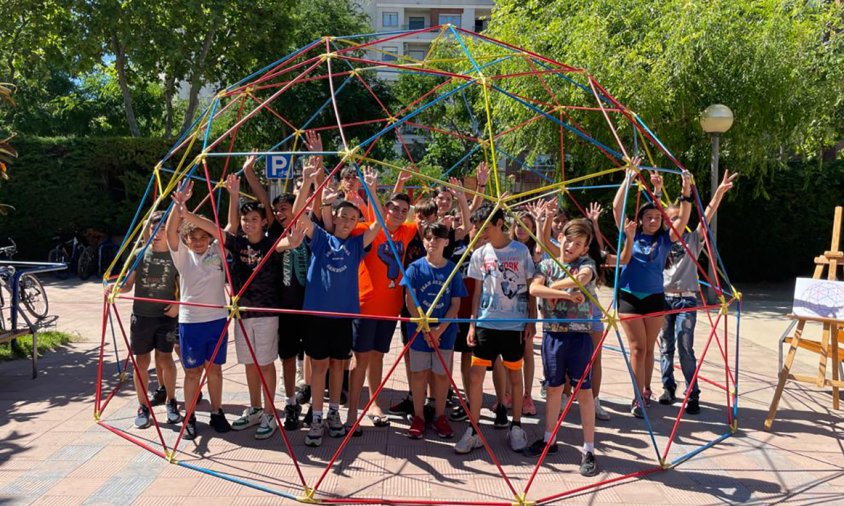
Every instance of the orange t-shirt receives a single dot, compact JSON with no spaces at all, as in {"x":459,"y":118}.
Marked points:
{"x":379,"y":274}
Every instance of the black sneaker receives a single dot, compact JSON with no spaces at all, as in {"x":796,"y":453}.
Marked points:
{"x":159,"y":397}
{"x":537,"y":447}
{"x":219,"y":422}
{"x":450,"y":398}
{"x":501,"y":421}
{"x":693,"y":407}
{"x":667,"y":398}
{"x":303,"y":396}
{"x":588,"y":467}
{"x":404,"y":407}
{"x":458,"y":414}
{"x":190,"y":429}
{"x":291,"y":416}
{"x":429,"y":411}
{"x":309,"y":417}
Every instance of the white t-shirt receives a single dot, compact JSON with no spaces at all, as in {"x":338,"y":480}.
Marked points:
{"x":202,"y":281}
{"x":505,"y":275}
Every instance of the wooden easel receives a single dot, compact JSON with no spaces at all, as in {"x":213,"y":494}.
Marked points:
{"x":833,"y":333}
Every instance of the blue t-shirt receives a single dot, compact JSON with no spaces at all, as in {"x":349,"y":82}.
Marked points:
{"x":643,"y":273}
{"x":333,"y":273}
{"x":426,"y":281}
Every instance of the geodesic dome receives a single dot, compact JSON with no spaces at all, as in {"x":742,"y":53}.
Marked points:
{"x":476,"y":99}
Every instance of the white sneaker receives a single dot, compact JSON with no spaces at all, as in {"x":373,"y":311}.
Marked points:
{"x":517,"y":437}
{"x":335,"y":424}
{"x":543,"y":390}
{"x":468,"y":442}
{"x":300,"y":373}
{"x":267,"y":427}
{"x":314,"y":435}
{"x":250,"y":418}
{"x":600,"y":412}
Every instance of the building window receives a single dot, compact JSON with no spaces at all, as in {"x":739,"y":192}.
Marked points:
{"x":416,"y":22}
{"x":480,"y":25}
{"x":417,"y":54}
{"x":389,"y":19}
{"x":453,"y":19}
{"x":390,"y":53}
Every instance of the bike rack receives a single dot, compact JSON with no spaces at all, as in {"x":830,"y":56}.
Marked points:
{"x":14,"y":331}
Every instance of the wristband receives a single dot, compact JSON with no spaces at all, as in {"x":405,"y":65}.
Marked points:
{"x":686,"y":198}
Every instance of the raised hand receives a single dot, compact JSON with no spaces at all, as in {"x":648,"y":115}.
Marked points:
{"x":313,"y":141}
{"x":687,"y":182}
{"x":249,"y":162}
{"x":726,"y":182}
{"x":593,"y":212}
{"x":457,"y":191}
{"x":311,"y":168}
{"x":233,"y":184}
{"x":296,"y":234}
{"x":656,"y":181}
{"x":448,"y":221}
{"x":370,"y":176}
{"x":549,"y":207}
{"x":482,"y":174}
{"x":629,"y":227}
{"x":403,"y":177}
{"x":180,"y":197}
{"x":329,"y":193}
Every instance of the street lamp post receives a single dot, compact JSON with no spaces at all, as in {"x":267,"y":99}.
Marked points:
{"x":715,"y":120}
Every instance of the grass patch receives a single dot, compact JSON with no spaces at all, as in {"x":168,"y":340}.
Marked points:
{"x":48,"y":340}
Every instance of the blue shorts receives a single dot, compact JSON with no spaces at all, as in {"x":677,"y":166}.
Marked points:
{"x":372,"y":335}
{"x":597,"y":324}
{"x":566,"y":353}
{"x":198,"y":340}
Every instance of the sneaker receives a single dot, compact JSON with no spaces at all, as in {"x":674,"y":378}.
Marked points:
{"x":636,"y":409}
{"x":538,"y":446}
{"x":588,"y":467}
{"x":417,"y":428}
{"x":143,"y":420}
{"x":508,"y":401}
{"x":291,"y":416}
{"x":309,"y":417}
{"x":517,"y":438}
{"x":693,"y":407}
{"x":458,"y":414}
{"x":173,"y":415}
{"x":190,"y":429}
{"x":443,"y":428}
{"x":267,"y":426}
{"x":600,"y":412}
{"x":403,"y":407}
{"x":429,"y":412}
{"x":501,"y":420}
{"x":335,"y":425}
{"x":668,"y":397}
{"x":468,"y":442}
{"x":249,"y":418}
{"x":543,"y":389}
{"x":300,"y":374}
{"x":159,"y":397}
{"x":528,"y":407}
{"x":219,"y":422}
{"x":646,"y":397}
{"x":314,"y":435}
{"x":450,"y":397}
{"x":303,"y":396}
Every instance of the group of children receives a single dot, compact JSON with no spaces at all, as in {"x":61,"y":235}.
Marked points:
{"x":314,"y":273}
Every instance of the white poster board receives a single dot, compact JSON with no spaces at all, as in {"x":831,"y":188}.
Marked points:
{"x":815,"y":298}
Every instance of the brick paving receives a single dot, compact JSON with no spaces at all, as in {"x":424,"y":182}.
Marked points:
{"x":52,"y":451}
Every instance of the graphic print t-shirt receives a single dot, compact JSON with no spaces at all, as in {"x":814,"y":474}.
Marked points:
{"x":566,"y":309}
{"x":426,"y":281}
{"x":293,"y":267}
{"x":155,"y":279}
{"x":246,"y":256}
{"x":504,"y":275}
{"x":333,"y":273}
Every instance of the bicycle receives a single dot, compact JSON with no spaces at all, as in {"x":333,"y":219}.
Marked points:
{"x":31,"y":292}
{"x":66,"y":250}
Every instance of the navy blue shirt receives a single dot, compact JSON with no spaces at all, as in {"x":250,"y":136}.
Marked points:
{"x":426,"y":281}
{"x":333,"y":273}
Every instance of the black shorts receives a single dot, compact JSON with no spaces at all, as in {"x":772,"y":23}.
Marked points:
{"x":148,"y":333}
{"x":630,"y":304}
{"x":460,"y":345}
{"x":292,"y":329}
{"x":403,"y":325}
{"x":491,"y":343}
{"x":329,"y":338}
{"x":372,"y":335}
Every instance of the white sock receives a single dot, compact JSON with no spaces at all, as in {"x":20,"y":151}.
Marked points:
{"x":588,"y":447}
{"x":317,"y":416}
{"x":291,"y":401}
{"x":547,"y":437}
{"x":333,"y":407}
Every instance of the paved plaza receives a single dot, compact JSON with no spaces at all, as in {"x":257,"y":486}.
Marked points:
{"x":53,"y":452}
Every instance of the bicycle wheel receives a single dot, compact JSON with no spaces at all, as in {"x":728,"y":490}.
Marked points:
{"x":57,"y":256}
{"x":86,"y":265}
{"x":33,"y":296}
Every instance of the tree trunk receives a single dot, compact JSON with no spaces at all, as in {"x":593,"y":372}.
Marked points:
{"x":169,"y":91}
{"x":120,"y":65}
{"x":196,"y":78}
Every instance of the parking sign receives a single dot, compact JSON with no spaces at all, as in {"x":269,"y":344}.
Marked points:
{"x":278,"y":166}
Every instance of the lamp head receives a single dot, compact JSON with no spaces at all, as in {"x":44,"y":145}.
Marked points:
{"x":716,"y":119}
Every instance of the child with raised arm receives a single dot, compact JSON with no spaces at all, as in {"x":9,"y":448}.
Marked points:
{"x":680,"y":280}
{"x":566,"y":342}
{"x":641,"y":295}
{"x":426,"y":277}
{"x":332,"y":287}
{"x":199,"y":259}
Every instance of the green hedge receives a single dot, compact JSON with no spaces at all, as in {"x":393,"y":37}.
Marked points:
{"x":67,"y":183}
